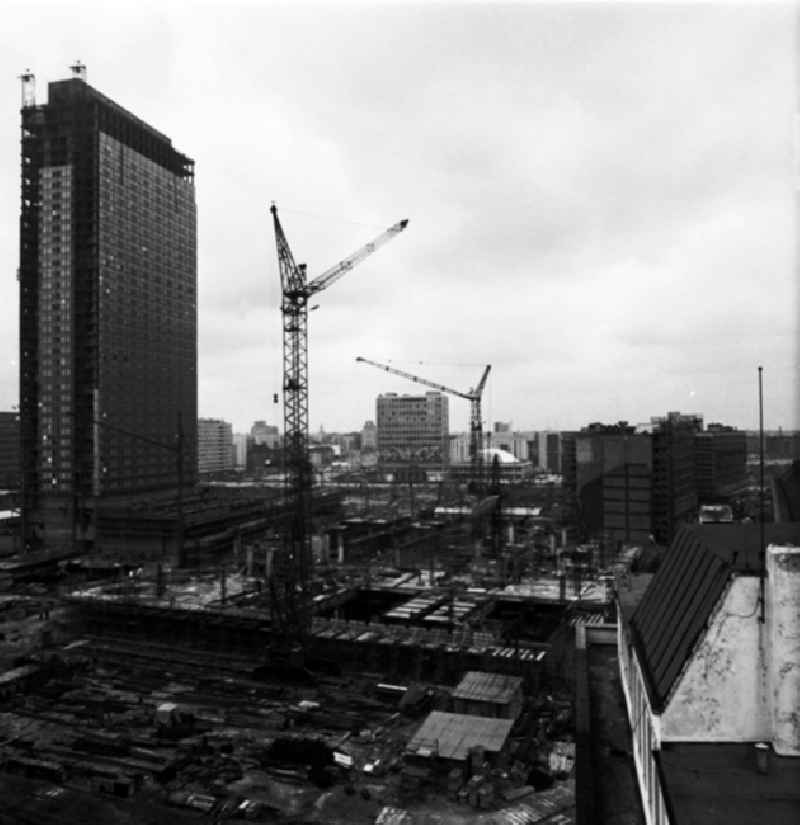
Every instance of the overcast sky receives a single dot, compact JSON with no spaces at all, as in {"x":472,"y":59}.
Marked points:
{"x":601,"y":197}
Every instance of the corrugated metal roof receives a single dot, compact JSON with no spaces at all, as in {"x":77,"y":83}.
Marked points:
{"x":681,"y":597}
{"x":478,"y":686}
{"x":451,"y":735}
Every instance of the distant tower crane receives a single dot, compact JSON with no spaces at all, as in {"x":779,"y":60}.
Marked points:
{"x":475,"y":420}
{"x":294,"y":562}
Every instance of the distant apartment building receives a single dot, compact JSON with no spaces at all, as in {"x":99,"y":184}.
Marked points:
{"x":240,"y":450}
{"x":412,"y":430}
{"x":569,"y":471}
{"x":459,"y":449}
{"x":215,"y":445}
{"x":10,"y":472}
{"x":612,"y":477}
{"x":265,"y":434}
{"x":346,"y":442}
{"x":674,"y":487}
{"x":369,"y":437}
{"x":512,"y":441}
{"x":720,"y":462}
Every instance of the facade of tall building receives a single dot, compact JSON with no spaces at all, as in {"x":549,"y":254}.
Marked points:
{"x":240,"y":449}
{"x":412,"y":430}
{"x":265,"y":434}
{"x":613,"y":476}
{"x":674,"y":486}
{"x":545,"y":450}
{"x":369,"y":437}
{"x":720,"y":462}
{"x":108,"y":307}
{"x":215,"y":451}
{"x":9,"y":451}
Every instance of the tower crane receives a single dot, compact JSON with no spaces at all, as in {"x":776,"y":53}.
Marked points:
{"x":475,"y":421}
{"x":292,"y":567}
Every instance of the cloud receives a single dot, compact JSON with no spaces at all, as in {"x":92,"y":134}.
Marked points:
{"x":599,"y":196}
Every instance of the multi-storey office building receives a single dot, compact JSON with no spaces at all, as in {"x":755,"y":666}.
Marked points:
{"x":108,"y":307}
{"x":720,"y":462}
{"x":413,"y":430}
{"x":674,"y":486}
{"x":613,"y":476}
{"x":215,"y":450}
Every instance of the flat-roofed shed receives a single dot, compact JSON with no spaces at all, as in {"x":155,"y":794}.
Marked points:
{"x":451,"y":735}
{"x":489,"y":694}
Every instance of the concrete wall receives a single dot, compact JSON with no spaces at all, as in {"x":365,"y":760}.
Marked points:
{"x":719,"y":697}
{"x":783,"y":630}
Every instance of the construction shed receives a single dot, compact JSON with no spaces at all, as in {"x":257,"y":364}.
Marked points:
{"x":489,"y":694}
{"x":452,"y":736}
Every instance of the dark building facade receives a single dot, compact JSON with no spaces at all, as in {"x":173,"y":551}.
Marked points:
{"x":108,"y":307}
{"x":674,"y":489}
{"x":613,"y":478}
{"x":720,"y":462}
{"x":9,"y":451}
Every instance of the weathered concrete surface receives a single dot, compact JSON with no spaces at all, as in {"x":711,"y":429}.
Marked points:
{"x":783,"y":631}
{"x":720,"y":697}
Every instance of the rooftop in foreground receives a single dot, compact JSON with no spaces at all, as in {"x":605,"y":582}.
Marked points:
{"x":719,"y":783}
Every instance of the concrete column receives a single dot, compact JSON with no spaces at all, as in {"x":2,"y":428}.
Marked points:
{"x":249,"y":560}
{"x":783,"y":634}
{"x":510,"y":533}
{"x":340,"y":547}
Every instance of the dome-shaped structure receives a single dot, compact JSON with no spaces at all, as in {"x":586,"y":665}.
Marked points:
{"x":503,"y":456}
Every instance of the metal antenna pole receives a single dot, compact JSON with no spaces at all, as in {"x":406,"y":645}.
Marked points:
{"x":762,"y":545}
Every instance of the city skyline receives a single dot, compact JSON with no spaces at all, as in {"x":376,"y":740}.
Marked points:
{"x":607,"y":218}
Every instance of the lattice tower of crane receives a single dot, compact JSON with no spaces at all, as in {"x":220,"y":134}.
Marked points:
{"x":289,"y":583}
{"x":475,"y":420}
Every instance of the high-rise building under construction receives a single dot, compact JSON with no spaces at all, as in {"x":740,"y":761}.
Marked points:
{"x":108,"y":307}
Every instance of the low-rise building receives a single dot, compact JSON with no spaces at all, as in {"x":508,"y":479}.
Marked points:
{"x":452,"y":736}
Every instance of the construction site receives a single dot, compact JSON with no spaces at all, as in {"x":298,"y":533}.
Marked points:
{"x":304,"y":656}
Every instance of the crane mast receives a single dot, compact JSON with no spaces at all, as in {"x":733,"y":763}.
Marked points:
{"x":292,"y":565}
{"x":475,"y":415}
